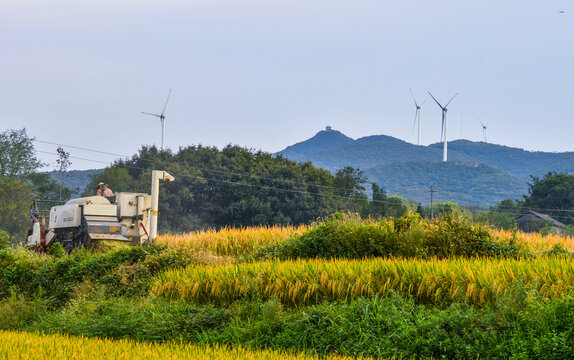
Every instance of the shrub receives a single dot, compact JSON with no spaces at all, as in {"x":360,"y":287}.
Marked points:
{"x":349,"y":236}
{"x":16,"y":312}
{"x":4,"y":239}
{"x":125,"y":272}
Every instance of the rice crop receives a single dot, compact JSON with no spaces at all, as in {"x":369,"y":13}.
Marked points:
{"x":231,"y":241}
{"x":306,"y":282}
{"x":536,"y":242}
{"x":21,"y":345}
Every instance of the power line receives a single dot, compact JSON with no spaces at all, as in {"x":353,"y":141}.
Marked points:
{"x":517,"y":212}
{"x":287,"y":181}
{"x":156,"y":162}
{"x":266,"y":187}
{"x":250,"y":176}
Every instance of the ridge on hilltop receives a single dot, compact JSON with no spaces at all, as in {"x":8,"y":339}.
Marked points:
{"x":323,"y":140}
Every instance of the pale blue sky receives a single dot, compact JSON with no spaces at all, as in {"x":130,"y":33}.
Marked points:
{"x":267,"y":74}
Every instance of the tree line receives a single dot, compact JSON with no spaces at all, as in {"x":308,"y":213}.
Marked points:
{"x":235,"y":186}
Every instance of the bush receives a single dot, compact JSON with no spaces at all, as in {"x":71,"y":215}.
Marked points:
{"x":125,"y":272}
{"x":16,"y":312}
{"x":4,"y":239}
{"x":349,"y":236}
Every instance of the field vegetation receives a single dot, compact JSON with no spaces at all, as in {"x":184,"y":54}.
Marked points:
{"x":404,"y":287}
{"x":230,"y":241}
{"x":61,"y":347}
{"x":436,"y":282}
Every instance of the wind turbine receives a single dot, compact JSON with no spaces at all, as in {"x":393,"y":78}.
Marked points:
{"x":444,"y":125}
{"x":483,"y":128}
{"x":418,"y":114}
{"x":162,"y":118}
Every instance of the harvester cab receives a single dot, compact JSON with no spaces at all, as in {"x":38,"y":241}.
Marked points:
{"x":124,"y":217}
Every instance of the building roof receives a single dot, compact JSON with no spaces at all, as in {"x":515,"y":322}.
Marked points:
{"x":540,"y":216}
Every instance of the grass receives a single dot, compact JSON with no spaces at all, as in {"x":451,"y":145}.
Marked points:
{"x":377,"y":327}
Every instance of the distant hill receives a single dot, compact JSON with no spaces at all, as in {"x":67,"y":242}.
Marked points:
{"x":332,"y":150}
{"x":516,"y":161}
{"x":398,"y":165}
{"x":75,"y":180}
{"x":459,"y":182}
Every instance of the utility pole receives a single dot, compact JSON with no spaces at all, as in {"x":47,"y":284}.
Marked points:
{"x":432,"y":191}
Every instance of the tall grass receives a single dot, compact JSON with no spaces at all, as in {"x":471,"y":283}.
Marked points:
{"x":305,"y":282}
{"x":20,"y":345}
{"x":231,"y":241}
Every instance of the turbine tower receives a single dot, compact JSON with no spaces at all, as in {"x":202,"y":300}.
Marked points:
{"x":483,"y":129}
{"x":418,"y":114}
{"x":162,"y":118}
{"x":443,"y":132}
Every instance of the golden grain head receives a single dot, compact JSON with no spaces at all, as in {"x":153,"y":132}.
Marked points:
{"x":304,"y":282}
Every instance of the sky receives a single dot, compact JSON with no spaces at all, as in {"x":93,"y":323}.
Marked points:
{"x":267,"y":74}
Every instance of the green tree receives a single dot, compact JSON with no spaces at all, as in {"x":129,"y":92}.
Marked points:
{"x":46,"y":188}
{"x":349,"y":181}
{"x":552,"y":194}
{"x":397,"y":206}
{"x":502,"y":215}
{"x":15,"y":201}
{"x":18,"y":161}
{"x":64,"y":163}
{"x":17,"y":154}
{"x":379,"y":200}
{"x":235,"y":186}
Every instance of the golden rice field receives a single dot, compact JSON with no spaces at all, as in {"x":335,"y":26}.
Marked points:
{"x":231,"y":241}
{"x":21,"y":345}
{"x":306,"y":282}
{"x":240,"y":241}
{"x":536,"y":242}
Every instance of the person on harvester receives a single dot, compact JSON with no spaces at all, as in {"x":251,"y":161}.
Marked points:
{"x":103,"y":189}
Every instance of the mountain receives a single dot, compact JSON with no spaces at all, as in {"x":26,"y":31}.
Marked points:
{"x":324,"y":139}
{"x":516,"y":161}
{"x":332,"y":150}
{"x":460,"y":182}
{"x":494,"y":171}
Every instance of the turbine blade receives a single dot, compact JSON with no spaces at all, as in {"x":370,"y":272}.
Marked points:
{"x":415,"y":122}
{"x":165,"y":106}
{"x":450,"y":100}
{"x":151,"y":114}
{"x":421,"y":104}
{"x":435,"y":100}
{"x":415,"y":100}
{"x":480,"y":121}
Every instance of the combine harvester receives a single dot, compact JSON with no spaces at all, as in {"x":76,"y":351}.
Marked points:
{"x":124,"y":217}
